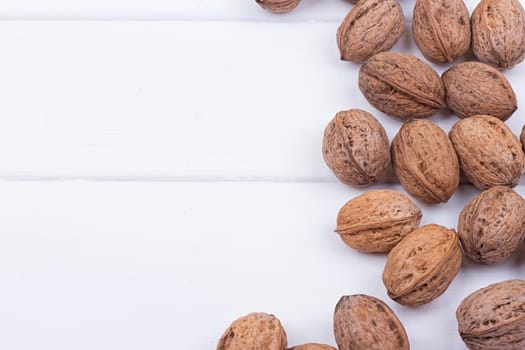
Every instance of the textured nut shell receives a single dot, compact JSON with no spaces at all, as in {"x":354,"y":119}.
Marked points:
{"x":441,"y":29}
{"x":474,"y":88}
{"x":372,"y":26}
{"x":362,"y":322}
{"x":498,"y":32}
{"x":278,"y":6}
{"x":312,"y":346}
{"x":494,"y":317}
{"x":401,"y":85}
{"x":492,"y":225}
{"x":425,"y":161}
{"x":421,"y":267}
{"x":256,"y":331}
{"x":377,"y":220}
{"x":355,"y":147}
{"x":489,"y":154}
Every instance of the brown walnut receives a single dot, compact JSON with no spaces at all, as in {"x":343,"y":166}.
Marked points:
{"x":474,"y":88}
{"x":489,"y":153}
{"x":494,"y":317}
{"x":362,"y":322}
{"x":401,"y":85}
{"x":356,"y":148}
{"x":278,"y":6}
{"x":441,"y":29}
{"x":372,"y":26}
{"x":421,"y":267}
{"x":377,"y":220}
{"x":492,"y":225}
{"x":498,"y":32}
{"x":256,"y":331}
{"x":425,"y":161}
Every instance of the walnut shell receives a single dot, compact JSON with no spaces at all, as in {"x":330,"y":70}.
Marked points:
{"x":377,"y":220}
{"x":401,"y":85}
{"x":489,"y":153}
{"x":441,"y":29}
{"x":362,"y":322}
{"x":372,"y":26}
{"x":278,"y":6}
{"x":492,"y":225}
{"x":356,"y":148}
{"x":256,"y":331}
{"x":494,"y":317}
{"x":425,"y":161}
{"x":313,"y":346}
{"x":498,"y":32}
{"x":474,"y":88}
{"x":421,"y":267}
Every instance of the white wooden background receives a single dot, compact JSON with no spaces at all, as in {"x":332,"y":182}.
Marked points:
{"x":161,"y":175}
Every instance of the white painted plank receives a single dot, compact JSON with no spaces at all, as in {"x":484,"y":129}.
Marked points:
{"x":169,"y":10}
{"x":170,"y":265}
{"x":177,"y":100}
{"x":308,"y":10}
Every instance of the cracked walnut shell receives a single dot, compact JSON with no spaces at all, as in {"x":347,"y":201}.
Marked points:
{"x":377,"y":220}
{"x":474,"y":88}
{"x":401,"y":85}
{"x":489,"y":153}
{"x":441,"y":29}
{"x":362,"y":322}
{"x":425,"y":161}
{"x":355,"y":148}
{"x":372,"y":26}
{"x":494,"y":317}
{"x":421,"y":267}
{"x":498,"y":32}
{"x":256,"y":331}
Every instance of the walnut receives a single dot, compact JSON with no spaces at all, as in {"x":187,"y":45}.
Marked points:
{"x":401,"y":85}
{"x":494,"y":317}
{"x":425,"y":161}
{"x":278,"y":6}
{"x":362,"y":322}
{"x":498,"y":32}
{"x":421,"y":267}
{"x":256,"y":331}
{"x":476,"y":88}
{"x":372,"y":26}
{"x":441,"y":29}
{"x":492,"y":225}
{"x":377,"y":220}
{"x":355,"y":148}
{"x":489,"y":153}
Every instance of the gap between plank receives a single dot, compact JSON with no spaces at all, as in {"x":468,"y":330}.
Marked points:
{"x":175,"y":179}
{"x":159,"y":18}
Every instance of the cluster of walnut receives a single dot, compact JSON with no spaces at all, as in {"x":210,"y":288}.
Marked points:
{"x":423,"y":261}
{"x":489,"y":318}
